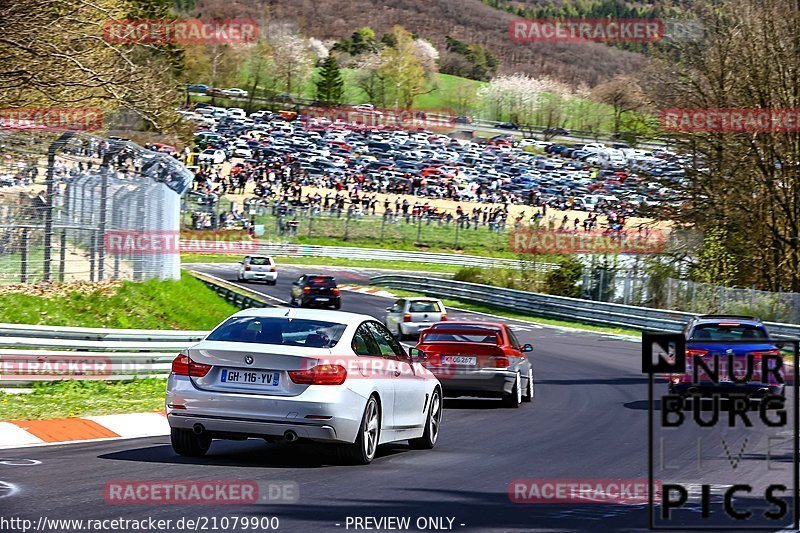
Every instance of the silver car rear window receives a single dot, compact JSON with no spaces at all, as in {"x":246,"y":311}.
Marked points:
{"x":279,"y":331}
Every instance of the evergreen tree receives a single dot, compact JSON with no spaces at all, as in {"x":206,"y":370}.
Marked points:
{"x":330,"y":86}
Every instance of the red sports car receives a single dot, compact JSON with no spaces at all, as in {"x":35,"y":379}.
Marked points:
{"x":478,"y":359}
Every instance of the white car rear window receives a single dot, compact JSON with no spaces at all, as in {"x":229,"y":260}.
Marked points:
{"x":424,"y":307}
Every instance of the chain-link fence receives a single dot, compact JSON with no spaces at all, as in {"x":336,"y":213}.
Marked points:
{"x":628,"y":288}
{"x":78,"y":207}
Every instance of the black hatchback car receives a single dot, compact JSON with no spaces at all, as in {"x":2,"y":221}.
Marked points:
{"x":316,"y":289}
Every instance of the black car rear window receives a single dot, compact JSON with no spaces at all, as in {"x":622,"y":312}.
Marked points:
{"x":322,"y":280}
{"x":728,"y":332}
{"x":280,"y":331}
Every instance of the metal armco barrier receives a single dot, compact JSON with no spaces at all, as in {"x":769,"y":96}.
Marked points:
{"x":313,"y":250}
{"x":559,"y":307}
{"x":241,"y":297}
{"x":35,"y":353}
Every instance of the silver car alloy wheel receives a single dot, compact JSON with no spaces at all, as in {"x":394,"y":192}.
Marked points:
{"x":371,"y":430}
{"x":436,"y":417}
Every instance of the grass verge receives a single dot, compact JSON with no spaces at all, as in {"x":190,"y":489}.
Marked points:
{"x":467,"y":306}
{"x":327,"y":261}
{"x":153,"y":304}
{"x":75,"y":398}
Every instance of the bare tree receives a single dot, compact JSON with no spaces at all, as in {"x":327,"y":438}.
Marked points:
{"x":55,"y":54}
{"x":291,"y":59}
{"x":623,"y":94}
{"x":744,"y":184}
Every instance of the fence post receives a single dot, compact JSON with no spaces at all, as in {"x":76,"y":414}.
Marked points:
{"x":419,"y":226}
{"x":50,"y":200}
{"x":669,"y":293}
{"x":62,"y":256}
{"x":346,"y":225}
{"x":600,"y":285}
{"x":626,"y":291}
{"x":23,"y":275}
{"x":103,"y":215}
{"x":455,"y":244}
{"x":92,"y":255}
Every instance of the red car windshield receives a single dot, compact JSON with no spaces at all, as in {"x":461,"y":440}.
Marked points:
{"x":461,"y":335}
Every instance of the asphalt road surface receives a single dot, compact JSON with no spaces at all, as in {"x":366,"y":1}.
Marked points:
{"x":588,"y":422}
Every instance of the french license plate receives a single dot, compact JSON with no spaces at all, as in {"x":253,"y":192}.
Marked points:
{"x":250,"y":377}
{"x":459,"y":360}
{"x":322,"y":299}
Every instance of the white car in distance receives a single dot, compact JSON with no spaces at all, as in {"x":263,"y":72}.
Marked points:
{"x":234,"y":91}
{"x":258,"y":267}
{"x":289,"y":374}
{"x":408,"y":316}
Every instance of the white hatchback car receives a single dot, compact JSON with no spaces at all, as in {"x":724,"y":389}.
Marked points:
{"x":289,"y":374}
{"x":258,"y":267}
{"x":408,"y":316}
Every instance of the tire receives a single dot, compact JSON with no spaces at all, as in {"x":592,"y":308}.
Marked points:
{"x":515,"y":398}
{"x":529,"y":392}
{"x":337,"y":305}
{"x":428,"y":439}
{"x":189,"y":444}
{"x":362,"y":451}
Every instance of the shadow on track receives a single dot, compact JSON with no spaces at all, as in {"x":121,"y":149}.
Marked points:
{"x":250,"y":453}
{"x":592,"y":381}
{"x":478,"y":404}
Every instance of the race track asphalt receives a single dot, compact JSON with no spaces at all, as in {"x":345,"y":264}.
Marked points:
{"x":589,"y":421}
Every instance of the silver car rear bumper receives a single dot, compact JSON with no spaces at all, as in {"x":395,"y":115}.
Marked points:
{"x":266,"y":428}
{"x":489,"y":381}
{"x":267,"y":415}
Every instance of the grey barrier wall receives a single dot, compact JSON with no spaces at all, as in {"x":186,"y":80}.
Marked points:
{"x":558,"y":307}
